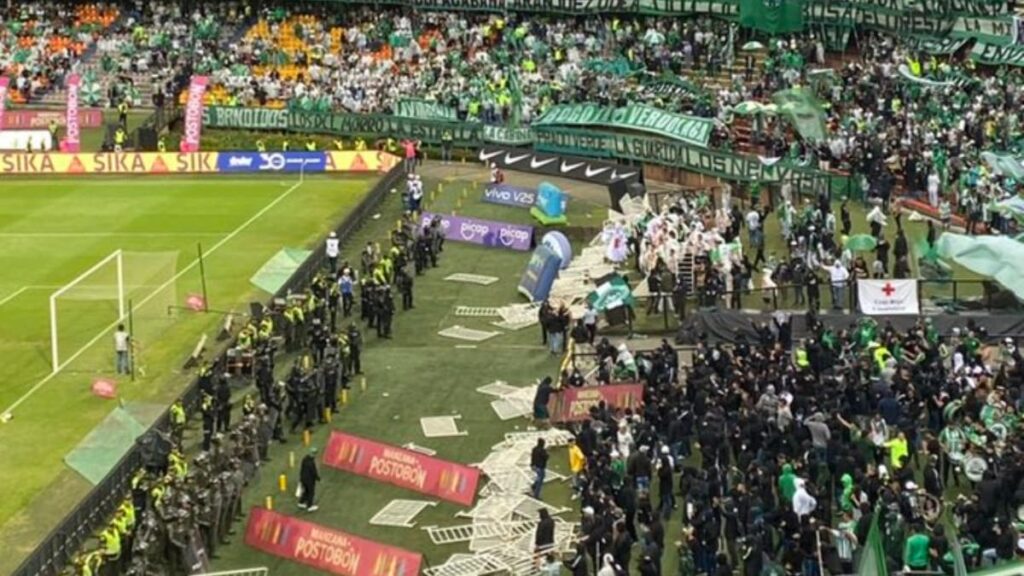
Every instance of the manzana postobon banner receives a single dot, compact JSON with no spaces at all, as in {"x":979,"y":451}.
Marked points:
{"x":483,"y":232}
{"x":325,"y":548}
{"x":72,"y":137}
{"x":573,"y":404}
{"x":4,"y":81}
{"x":194,"y":114}
{"x":407,"y":469}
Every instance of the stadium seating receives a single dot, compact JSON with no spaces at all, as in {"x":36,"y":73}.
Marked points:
{"x":41,"y":43}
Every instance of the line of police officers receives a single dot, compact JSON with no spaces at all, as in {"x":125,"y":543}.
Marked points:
{"x":178,"y":513}
{"x":175,"y":510}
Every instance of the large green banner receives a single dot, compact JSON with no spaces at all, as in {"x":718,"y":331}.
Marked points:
{"x":714,"y":163}
{"x":546,"y":138}
{"x":424,"y":110}
{"x":724,"y":8}
{"x":998,"y":55}
{"x":983,"y":19}
{"x":689,"y":129}
{"x":367,"y":125}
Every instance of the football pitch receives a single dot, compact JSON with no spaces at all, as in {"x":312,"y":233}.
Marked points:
{"x":54,"y":230}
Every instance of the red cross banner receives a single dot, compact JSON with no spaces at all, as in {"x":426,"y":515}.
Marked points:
{"x":888,"y":297}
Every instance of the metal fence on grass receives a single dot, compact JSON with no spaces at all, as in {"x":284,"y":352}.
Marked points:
{"x":58,"y":549}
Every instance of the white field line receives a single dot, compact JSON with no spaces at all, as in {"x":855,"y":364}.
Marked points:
{"x":151,"y":295}
{"x":106,"y":234}
{"x":24,"y":289}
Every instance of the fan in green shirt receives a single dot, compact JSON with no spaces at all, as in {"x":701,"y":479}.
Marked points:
{"x":787,"y":484}
{"x":915,"y":550}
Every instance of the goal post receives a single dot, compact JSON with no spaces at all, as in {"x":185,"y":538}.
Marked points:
{"x":98,"y":291}
{"x":89,"y":307}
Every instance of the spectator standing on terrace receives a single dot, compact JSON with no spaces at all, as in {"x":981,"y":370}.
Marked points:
{"x":838,"y":276}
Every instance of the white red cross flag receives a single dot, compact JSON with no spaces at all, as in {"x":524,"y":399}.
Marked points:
{"x":880,"y":297}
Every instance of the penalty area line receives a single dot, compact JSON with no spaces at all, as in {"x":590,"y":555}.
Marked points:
{"x":10,"y":409}
{"x":22,"y":290}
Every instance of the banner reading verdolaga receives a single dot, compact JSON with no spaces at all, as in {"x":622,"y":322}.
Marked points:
{"x":403,"y":468}
{"x":325,"y":548}
{"x":574,"y":404}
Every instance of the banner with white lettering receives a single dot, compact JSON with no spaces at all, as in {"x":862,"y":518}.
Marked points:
{"x":72,"y":140}
{"x":3,"y":98}
{"x":888,"y":297}
{"x":194,"y":114}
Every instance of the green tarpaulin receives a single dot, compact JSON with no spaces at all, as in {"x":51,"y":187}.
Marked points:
{"x":999,"y":258}
{"x":273,"y":275}
{"x":98,"y":453}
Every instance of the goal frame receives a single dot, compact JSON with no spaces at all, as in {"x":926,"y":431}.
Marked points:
{"x":118,"y":257}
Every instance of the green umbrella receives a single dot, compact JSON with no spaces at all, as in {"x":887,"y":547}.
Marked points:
{"x":861,"y":243}
{"x":751,"y":46}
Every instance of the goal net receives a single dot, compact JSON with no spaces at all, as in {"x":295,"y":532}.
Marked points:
{"x":136,"y":289}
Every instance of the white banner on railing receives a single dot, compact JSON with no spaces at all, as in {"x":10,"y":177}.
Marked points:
{"x":880,"y":297}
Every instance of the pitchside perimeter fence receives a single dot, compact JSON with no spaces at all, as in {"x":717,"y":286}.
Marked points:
{"x":59,"y":547}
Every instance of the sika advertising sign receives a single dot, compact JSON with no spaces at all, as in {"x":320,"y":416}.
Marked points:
{"x":22,"y":163}
{"x":483,"y":232}
{"x":573,"y":404}
{"x":403,"y":468}
{"x":325,"y":548}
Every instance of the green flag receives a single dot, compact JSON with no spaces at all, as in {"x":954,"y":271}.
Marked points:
{"x":772,"y":16}
{"x":872,"y":559}
{"x":802,"y":109}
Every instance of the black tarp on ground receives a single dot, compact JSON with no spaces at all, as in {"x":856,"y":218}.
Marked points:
{"x":725,"y":325}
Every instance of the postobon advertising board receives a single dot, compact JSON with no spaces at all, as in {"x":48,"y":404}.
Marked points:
{"x":572,"y":404}
{"x":403,"y":468}
{"x":325,"y":548}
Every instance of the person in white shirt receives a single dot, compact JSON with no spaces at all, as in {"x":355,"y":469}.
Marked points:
{"x":876,"y":219}
{"x":838,"y":276}
{"x":121,"y":342}
{"x":803,"y":503}
{"x":333,"y":249}
{"x":417,"y":193}
{"x":933,"y":189}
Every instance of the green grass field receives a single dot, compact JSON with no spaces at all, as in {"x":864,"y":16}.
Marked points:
{"x":418,"y":374}
{"x":55,"y":229}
